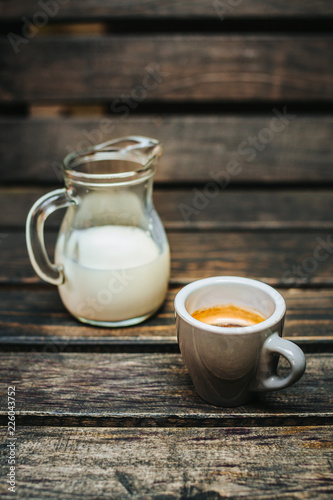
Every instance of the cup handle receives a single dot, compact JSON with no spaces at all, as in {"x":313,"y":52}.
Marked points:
{"x":41,"y":209}
{"x":268,"y":379}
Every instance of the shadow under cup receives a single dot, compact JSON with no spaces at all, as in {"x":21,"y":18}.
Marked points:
{"x":226,"y":363}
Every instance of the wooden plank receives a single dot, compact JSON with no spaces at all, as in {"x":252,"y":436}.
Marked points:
{"x":253,"y":463}
{"x":195,"y":147}
{"x":279,"y":257}
{"x":228,"y":209}
{"x":152,"y":9}
{"x":35,"y":317}
{"x":167,"y":68}
{"x":141,"y":389}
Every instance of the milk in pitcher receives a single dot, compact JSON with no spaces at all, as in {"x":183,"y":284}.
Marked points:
{"x":112,"y":273}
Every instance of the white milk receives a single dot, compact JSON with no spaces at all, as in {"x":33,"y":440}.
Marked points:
{"x":112,"y":273}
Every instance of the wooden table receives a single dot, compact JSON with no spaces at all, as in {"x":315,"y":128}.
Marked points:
{"x":113,"y":414}
{"x":106,"y":413}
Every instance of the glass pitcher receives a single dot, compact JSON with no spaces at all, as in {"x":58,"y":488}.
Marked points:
{"x":112,"y":259}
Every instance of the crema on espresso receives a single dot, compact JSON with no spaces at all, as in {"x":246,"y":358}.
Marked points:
{"x":228,"y":316}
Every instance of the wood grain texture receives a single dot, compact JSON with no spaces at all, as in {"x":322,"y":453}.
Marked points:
{"x":152,"y":9}
{"x":187,"y":68}
{"x":35,"y":317}
{"x":228,"y":209}
{"x":269,"y":256}
{"x":195,"y":147}
{"x":148,"y":390}
{"x":257,"y":463}
{"x":91,"y":378}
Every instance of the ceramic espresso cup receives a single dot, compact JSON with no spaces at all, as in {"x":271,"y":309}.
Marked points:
{"x":229,"y":365}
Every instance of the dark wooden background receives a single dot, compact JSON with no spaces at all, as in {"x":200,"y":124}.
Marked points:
{"x":99,"y":410}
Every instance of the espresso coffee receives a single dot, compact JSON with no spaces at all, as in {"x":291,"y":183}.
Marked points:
{"x":228,"y":316}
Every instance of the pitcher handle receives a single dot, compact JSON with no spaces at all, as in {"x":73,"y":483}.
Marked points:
{"x":268,"y":379}
{"x":41,"y":209}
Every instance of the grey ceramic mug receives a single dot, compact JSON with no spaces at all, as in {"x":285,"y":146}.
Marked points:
{"x":229,"y":365}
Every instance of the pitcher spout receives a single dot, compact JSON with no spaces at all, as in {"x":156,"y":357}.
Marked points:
{"x":143,"y":149}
